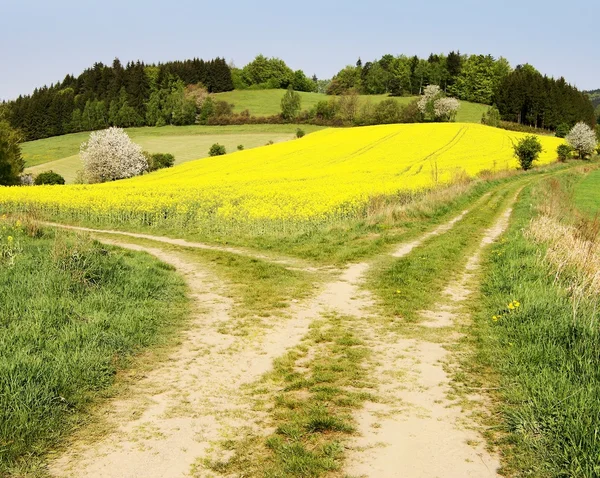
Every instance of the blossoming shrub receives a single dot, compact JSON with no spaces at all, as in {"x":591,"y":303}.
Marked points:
{"x":110,"y":154}
{"x":583,"y":139}
{"x":435,"y":106}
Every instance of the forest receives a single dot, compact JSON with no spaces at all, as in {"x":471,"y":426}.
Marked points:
{"x":174,"y":93}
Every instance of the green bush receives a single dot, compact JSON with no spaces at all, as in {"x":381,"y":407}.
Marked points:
{"x":564,"y":152}
{"x":222,"y":108}
{"x":411,"y":113}
{"x":527,"y":150}
{"x":158,"y":161}
{"x":387,"y":112}
{"x":48,"y":177}
{"x":290,"y":104}
{"x":491,"y":117}
{"x":300,"y":133}
{"x":240,"y":147}
{"x":324,"y":110}
{"x":562,"y":130}
{"x":217,"y":150}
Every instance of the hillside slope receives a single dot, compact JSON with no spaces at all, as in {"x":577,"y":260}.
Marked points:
{"x":326,"y":175}
{"x":186,"y":143}
{"x":268,"y":102}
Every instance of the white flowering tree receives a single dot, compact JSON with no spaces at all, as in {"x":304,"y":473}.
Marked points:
{"x":445,"y":109}
{"x":583,"y":139}
{"x":110,"y":154}
{"x":430,"y":94}
{"x":435,"y":106}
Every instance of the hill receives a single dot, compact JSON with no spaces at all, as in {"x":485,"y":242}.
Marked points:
{"x":61,"y":153}
{"x":322,"y":177}
{"x":268,"y":102}
{"x":595,"y":97}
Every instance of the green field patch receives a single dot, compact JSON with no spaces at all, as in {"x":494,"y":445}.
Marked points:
{"x":268,"y":103}
{"x":185,"y":142}
{"x":587,"y":193}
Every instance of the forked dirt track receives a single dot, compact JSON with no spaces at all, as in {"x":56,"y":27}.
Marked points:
{"x":175,"y":416}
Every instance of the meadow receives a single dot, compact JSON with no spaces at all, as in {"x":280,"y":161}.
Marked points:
{"x":268,"y":103}
{"x":586,"y":194}
{"x":186,"y":143}
{"x":326,"y":176}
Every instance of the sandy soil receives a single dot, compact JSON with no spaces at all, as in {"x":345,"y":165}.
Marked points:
{"x":417,"y":430}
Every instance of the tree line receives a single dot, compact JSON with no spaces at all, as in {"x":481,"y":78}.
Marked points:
{"x":177,"y":92}
{"x":133,"y":95}
{"x":527,"y":97}
{"x":522,"y":95}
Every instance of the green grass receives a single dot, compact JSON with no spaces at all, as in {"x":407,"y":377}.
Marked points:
{"x":587,"y":193}
{"x":72,"y":313}
{"x":317,"y":387}
{"x":268,"y":103}
{"x":264,"y":102}
{"x":542,"y":358}
{"x":186,"y":143}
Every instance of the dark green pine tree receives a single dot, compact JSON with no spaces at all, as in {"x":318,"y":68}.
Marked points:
{"x":138,"y":88}
{"x":454,"y":66}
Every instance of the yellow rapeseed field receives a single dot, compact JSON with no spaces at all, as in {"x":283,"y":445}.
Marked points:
{"x":328,"y":174}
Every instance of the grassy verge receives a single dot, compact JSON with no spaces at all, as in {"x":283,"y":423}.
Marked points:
{"x":317,"y":386}
{"x":541,"y":357}
{"x":72,"y":313}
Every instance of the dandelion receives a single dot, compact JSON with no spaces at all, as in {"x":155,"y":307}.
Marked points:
{"x":398,"y":292}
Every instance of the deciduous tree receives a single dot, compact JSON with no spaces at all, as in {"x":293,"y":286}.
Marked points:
{"x":110,"y":154}
{"x":583,"y":139}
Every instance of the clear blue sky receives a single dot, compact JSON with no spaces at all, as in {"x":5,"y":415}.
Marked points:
{"x":44,"y":40}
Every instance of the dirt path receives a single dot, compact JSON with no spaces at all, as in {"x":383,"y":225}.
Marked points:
{"x":289,"y":262}
{"x":417,"y":430}
{"x":177,"y":414}
{"x":181,"y":409}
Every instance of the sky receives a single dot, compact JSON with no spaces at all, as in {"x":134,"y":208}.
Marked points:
{"x":43,"y":41}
